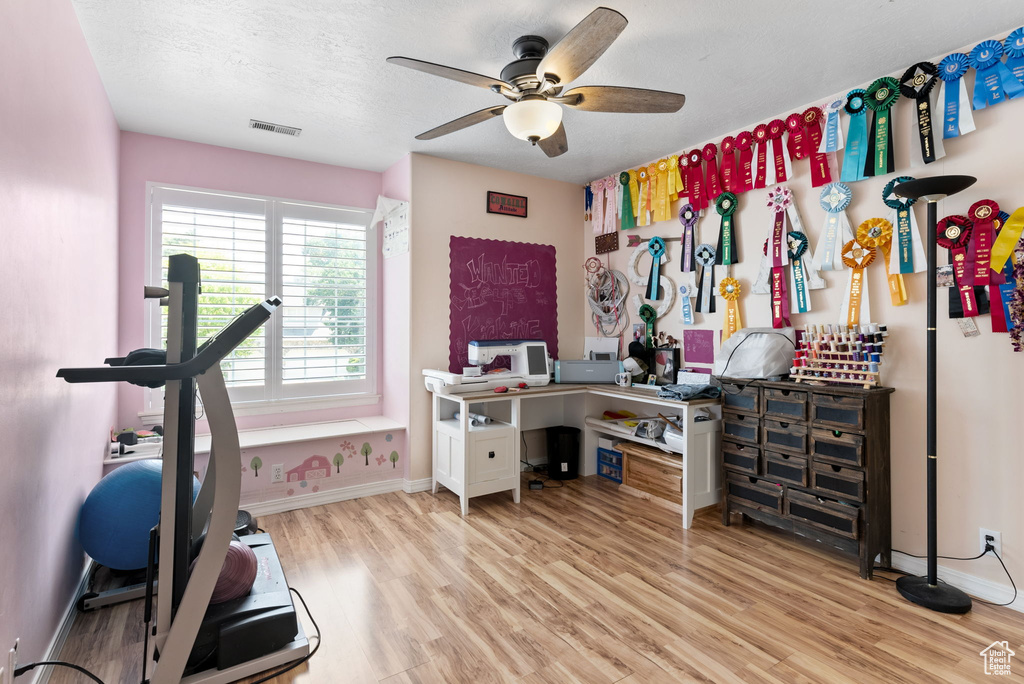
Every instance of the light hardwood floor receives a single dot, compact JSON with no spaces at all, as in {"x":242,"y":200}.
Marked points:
{"x":581,"y":584}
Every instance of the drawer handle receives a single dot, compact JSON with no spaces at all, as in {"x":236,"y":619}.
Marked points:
{"x":785,"y":425}
{"x":753,"y":480}
{"x":785,"y":393}
{"x":837,"y":433}
{"x":785,"y":456}
{"x":490,"y":454}
{"x":741,"y":447}
{"x":836,"y":469}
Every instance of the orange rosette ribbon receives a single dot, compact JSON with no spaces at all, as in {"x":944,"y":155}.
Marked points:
{"x":856,"y":257}
{"x":877,"y":232}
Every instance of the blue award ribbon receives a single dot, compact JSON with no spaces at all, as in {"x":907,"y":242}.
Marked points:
{"x":1014,"y":47}
{"x":904,"y":229}
{"x":856,"y":139}
{"x":656,"y":247}
{"x":1006,"y":289}
{"x":835,"y":197}
{"x":686,"y":310}
{"x":993,"y":82}
{"x":797,"y":248}
{"x":830,"y":141}
{"x":951,"y":69}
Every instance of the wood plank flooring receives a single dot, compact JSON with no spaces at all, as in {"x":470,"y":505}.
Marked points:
{"x":580,"y":584}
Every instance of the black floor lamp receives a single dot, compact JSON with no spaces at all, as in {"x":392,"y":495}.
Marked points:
{"x":926,"y":591}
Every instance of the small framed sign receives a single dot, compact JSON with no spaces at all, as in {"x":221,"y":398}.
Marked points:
{"x":503,"y":203}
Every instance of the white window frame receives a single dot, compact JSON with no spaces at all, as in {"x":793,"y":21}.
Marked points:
{"x":250,"y":400}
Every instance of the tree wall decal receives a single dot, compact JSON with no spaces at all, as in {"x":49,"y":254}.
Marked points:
{"x":339,"y":459}
{"x":256,"y":463}
{"x":394,"y":458}
{"x":366,"y":451}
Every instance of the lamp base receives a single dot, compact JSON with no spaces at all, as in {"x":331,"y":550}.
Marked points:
{"x":942,"y":598}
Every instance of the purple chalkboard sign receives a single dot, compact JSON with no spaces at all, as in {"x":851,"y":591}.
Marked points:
{"x":501,"y":291}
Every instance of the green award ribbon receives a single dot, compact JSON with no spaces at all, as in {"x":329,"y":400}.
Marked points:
{"x":726,"y":253}
{"x":880,"y":98}
{"x":628,"y":217}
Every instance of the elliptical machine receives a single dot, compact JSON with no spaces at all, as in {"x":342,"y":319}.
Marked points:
{"x":194,"y":641}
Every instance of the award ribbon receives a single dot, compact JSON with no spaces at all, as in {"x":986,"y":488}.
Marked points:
{"x":780,"y":298}
{"x":798,"y":245}
{"x":714,"y":185}
{"x":880,"y":97}
{"x":909,"y":248}
{"x":983,"y":214}
{"x":877,"y":233}
{"x":676,"y":180}
{"x":779,"y":200}
{"x":797,"y":141}
{"x":761,"y":170}
{"x":688,"y":217}
{"x":643,"y":207}
{"x":729,"y":164}
{"x":780,"y":162}
{"x":856,"y":154}
{"x":686,"y":310}
{"x":652,"y":199}
{"x":656,"y":248}
{"x":706,"y":258}
{"x":1014,"y":48}
{"x":856,"y":304}
{"x":835,"y":198}
{"x":820,"y":171}
{"x":729,"y":288}
{"x":684,"y":175}
{"x":648,"y":314}
{"x":918,"y":84}
{"x":588,"y":202}
{"x":954,"y":233}
{"x":628,"y":218}
{"x":661,"y":202}
{"x":993,"y":82}
{"x":957,"y":118}
{"x":634,"y":193}
{"x":611,"y":209}
{"x":598,"y":216}
{"x":833,"y":137}
{"x":1009,"y":235}
{"x":696,"y":182}
{"x":1001,"y":295}
{"x":745,"y":178}
{"x":728,"y":247}
{"x":761,"y":283}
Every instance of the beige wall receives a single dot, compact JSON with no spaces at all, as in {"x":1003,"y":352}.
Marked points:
{"x":981,"y":381}
{"x":448,"y":198}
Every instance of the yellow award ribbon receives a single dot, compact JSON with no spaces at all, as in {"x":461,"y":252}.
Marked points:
{"x":877,"y":232}
{"x":729,"y":288}
{"x":663,"y":191}
{"x":645,"y":183}
{"x":1009,"y":235}
{"x":634,"y":192}
{"x":674,"y":181}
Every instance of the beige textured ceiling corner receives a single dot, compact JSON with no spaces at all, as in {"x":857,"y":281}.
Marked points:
{"x":200,"y":69}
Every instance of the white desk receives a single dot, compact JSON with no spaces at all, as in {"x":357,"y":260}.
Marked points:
{"x":579,"y":406}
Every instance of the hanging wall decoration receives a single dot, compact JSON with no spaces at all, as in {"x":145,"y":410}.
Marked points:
{"x":762,"y":284}
{"x":688,"y":217}
{"x":779,"y":201}
{"x":820,"y":171}
{"x":983,"y":215}
{"x":1014,"y":48}
{"x":597,"y":221}
{"x":1001,"y":285}
{"x":780,"y":169}
{"x":798,"y":243}
{"x":729,"y":164}
{"x":835,"y":198}
{"x":954,"y":233}
{"x":668,"y":288}
{"x":856,"y":305}
{"x":643,"y":208}
{"x":761,"y":167}
{"x":675,"y":178}
{"x":696,"y":182}
{"x":713,"y":188}
{"x":880,"y":97}
{"x":907,"y":238}
{"x":588,"y":203}
{"x":705,"y":256}
{"x":877,"y":233}
{"x":685,"y":309}
{"x":1009,"y":236}
{"x":1016,"y":310}
{"x":796,"y":143}
{"x":659,"y":170}
{"x":832,"y":141}
{"x":656,"y":248}
{"x":957,"y":117}
{"x":684,"y":175}
{"x":745,"y":172}
{"x":918,"y":84}
{"x":647,"y":314}
{"x":612,"y":203}
{"x":727,"y":252}
{"x":730,"y":289}
{"x":606,"y":242}
{"x":993,"y":82}
{"x":628,"y":215}
{"x":856,"y":155}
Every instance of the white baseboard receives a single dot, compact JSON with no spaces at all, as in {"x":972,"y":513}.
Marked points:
{"x":413,"y":486}
{"x":41,"y":675}
{"x":294,"y":503}
{"x":975,"y":586}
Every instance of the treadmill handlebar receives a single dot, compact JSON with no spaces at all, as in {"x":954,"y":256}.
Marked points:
{"x":215,"y":349}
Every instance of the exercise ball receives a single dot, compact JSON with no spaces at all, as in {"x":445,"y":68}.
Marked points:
{"x":115,"y":520}
{"x":237,"y":575}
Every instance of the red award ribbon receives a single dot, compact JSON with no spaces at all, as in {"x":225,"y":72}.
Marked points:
{"x":776,"y":127}
{"x":821,"y":174}
{"x":857,"y":258}
{"x":761,"y":170}
{"x":779,"y":200}
{"x":714,"y":187}
{"x":983,"y":214}
{"x":745,"y":177}
{"x":729,"y":164}
{"x":780,"y":298}
{"x":797,"y":142}
{"x":954,"y":234}
{"x":684,"y":175}
{"x":696,"y":182}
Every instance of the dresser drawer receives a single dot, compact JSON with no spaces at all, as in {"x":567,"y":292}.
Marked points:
{"x":753,"y":492}
{"x":653,"y":471}
{"x":781,"y":435}
{"x":786,"y":404}
{"x":741,"y":458}
{"x":830,"y":410}
{"x":836,"y":446}
{"x":739,"y":427}
{"x":786,"y":468}
{"x":741,"y":398}
{"x":836,"y":480}
{"x":824,"y":514}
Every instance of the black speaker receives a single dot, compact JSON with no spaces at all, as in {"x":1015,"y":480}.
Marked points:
{"x":563,"y":453}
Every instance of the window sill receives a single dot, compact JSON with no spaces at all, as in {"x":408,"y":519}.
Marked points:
{"x":308,"y":432}
{"x":267,"y":408}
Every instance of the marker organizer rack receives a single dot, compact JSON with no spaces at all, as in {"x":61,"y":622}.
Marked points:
{"x":840,"y":355}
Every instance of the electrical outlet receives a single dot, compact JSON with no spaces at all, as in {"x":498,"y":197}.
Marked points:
{"x":997,"y":540}
{"x":277,"y":473}
{"x":12,"y":664}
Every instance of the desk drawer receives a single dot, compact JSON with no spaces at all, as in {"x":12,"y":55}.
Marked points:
{"x":786,"y":404}
{"x":739,"y":427}
{"x":754,"y":492}
{"x":654,"y":472}
{"x":834,"y":480}
{"x":781,"y":435}
{"x":836,"y":446}
{"x":741,"y":398}
{"x":824,"y":514}
{"x":741,"y":458}
{"x":830,"y":410}
{"x":786,"y":468}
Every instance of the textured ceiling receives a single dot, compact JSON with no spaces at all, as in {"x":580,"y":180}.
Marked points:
{"x":200,"y":69}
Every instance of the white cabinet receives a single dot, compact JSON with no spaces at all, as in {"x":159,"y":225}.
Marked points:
{"x":480,"y":460}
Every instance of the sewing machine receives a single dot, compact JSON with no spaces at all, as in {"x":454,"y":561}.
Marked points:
{"x":529,"y":365}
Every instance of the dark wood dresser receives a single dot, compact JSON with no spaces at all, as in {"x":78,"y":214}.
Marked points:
{"x":811,"y":460}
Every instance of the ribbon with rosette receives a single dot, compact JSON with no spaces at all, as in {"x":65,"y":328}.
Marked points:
{"x":727,"y":252}
{"x":705,"y":256}
{"x":634,"y":193}
{"x":957,"y":118}
{"x":798,"y":244}
{"x":730,"y":290}
{"x":761,"y":139}
{"x":1009,"y":236}
{"x":984,"y":214}
{"x":643,"y":207}
{"x":856,"y":304}
{"x":662,"y":204}
{"x":910,"y":253}
{"x":685,"y":308}
{"x":877,"y":233}
{"x":688,"y":217}
{"x":588,"y":202}
{"x":628,"y":218}
{"x":684,"y":176}
{"x":779,"y":201}
{"x":856,"y":152}
{"x":598,"y":215}
{"x":696,"y":182}
{"x":1001,"y":286}
{"x":612,"y":202}
{"x":648,"y":314}
{"x":713,"y":187}
{"x":832,"y":139}
{"x":652,"y":200}
{"x":993,"y":82}
{"x":821,"y":171}
{"x":745,"y":172}
{"x":835,"y":198}
{"x":729,"y":164}
{"x":762,"y":284}
{"x":678,"y":189}
{"x":1014,"y":48}
{"x":780,"y":167}
{"x":880,"y":97}
{"x":656,"y":248}
{"x":918,"y":84}
{"x":796,"y":141}
{"x":954,"y":233}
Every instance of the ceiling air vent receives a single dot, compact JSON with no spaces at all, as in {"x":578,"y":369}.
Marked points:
{"x":274,"y":128}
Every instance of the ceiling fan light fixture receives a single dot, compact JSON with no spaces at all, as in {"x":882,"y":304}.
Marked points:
{"x":532,"y":118}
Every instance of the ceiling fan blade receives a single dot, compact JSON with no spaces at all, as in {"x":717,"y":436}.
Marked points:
{"x":462,"y":122}
{"x":449,"y":73}
{"x":580,"y":47}
{"x":620,"y":99}
{"x":556,"y":143}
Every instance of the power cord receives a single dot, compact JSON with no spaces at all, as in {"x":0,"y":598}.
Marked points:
{"x":988,"y":548}
{"x":58,"y":663}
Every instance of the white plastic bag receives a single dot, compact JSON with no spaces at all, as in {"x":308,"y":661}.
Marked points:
{"x":756,"y":353}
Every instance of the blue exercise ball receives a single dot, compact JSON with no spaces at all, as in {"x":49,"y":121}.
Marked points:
{"x":115,"y":520}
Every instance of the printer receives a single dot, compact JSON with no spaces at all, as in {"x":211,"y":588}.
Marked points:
{"x":529,"y":364}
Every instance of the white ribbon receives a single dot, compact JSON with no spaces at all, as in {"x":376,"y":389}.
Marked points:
{"x":613,"y":204}
{"x":965,"y":111}
{"x":685,"y":309}
{"x":831,"y":127}
{"x":835,"y":233}
{"x":597,"y":220}
{"x":763,"y":283}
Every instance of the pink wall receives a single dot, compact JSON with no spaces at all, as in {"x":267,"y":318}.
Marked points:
{"x":147,"y":158}
{"x":397,"y":184}
{"x":58,"y":273}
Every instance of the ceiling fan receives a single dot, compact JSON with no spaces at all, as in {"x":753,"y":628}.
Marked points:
{"x":534,"y":82}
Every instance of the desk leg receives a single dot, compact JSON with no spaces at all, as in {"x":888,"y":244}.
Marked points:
{"x":434,"y":489}
{"x":687,"y":491}
{"x":517,"y":436}
{"x":464,"y":503}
